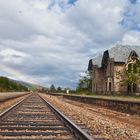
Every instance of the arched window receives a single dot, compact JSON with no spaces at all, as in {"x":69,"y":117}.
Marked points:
{"x":129,"y":88}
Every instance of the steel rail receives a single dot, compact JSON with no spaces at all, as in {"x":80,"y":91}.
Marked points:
{"x":76,"y":130}
{"x":13,"y":106}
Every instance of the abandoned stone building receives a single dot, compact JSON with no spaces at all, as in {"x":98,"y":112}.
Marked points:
{"x":106,"y":70}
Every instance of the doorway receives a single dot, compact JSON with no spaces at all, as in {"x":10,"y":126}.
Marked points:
{"x":109,"y":86}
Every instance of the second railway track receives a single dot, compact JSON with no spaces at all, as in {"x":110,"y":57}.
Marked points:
{"x":35,"y":119}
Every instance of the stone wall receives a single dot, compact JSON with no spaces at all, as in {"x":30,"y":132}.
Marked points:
{"x":119,"y":86}
{"x":97,"y":80}
{"x":129,"y":107}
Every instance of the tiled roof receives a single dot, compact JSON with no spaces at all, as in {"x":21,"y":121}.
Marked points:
{"x":120,"y":53}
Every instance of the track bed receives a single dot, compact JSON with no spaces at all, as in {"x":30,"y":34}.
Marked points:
{"x":34,"y":119}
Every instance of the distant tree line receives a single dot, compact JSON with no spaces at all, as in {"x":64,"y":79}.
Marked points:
{"x":84,"y":86}
{"x":56,"y":89}
{"x":59,"y":89}
{"x":7,"y":85}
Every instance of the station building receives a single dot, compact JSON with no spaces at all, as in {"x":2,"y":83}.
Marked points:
{"x":107,"y":70}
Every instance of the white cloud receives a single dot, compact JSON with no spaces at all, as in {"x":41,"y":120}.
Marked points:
{"x":98,"y":20}
{"x":13,"y":56}
{"x":131,"y":38}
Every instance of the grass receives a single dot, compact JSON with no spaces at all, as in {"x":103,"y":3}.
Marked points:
{"x":117,"y":97}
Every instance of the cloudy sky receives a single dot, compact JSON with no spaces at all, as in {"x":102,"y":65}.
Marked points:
{"x":50,"y":41}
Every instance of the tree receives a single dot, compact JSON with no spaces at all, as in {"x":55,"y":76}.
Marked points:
{"x":131,"y":76}
{"x":59,"y":89}
{"x":85,"y":83}
{"x":7,"y":85}
{"x":52,"y":88}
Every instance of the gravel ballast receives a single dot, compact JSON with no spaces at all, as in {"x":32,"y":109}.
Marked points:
{"x":100,"y":122}
{"x":9,"y":102}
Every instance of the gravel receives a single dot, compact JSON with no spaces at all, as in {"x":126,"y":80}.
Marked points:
{"x":99,"y":122}
{"x":8,"y":103}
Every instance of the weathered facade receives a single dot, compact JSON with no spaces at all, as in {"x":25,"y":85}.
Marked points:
{"x":107,"y":77}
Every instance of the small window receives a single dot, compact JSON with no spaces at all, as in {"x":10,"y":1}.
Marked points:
{"x":109,"y":86}
{"x":105,"y":86}
{"x":129,"y":88}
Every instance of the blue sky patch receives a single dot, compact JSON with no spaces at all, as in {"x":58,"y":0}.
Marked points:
{"x":71,"y":2}
{"x":133,"y":1}
{"x":62,"y":4}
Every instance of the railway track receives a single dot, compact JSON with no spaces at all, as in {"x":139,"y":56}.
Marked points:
{"x":34,"y":118}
